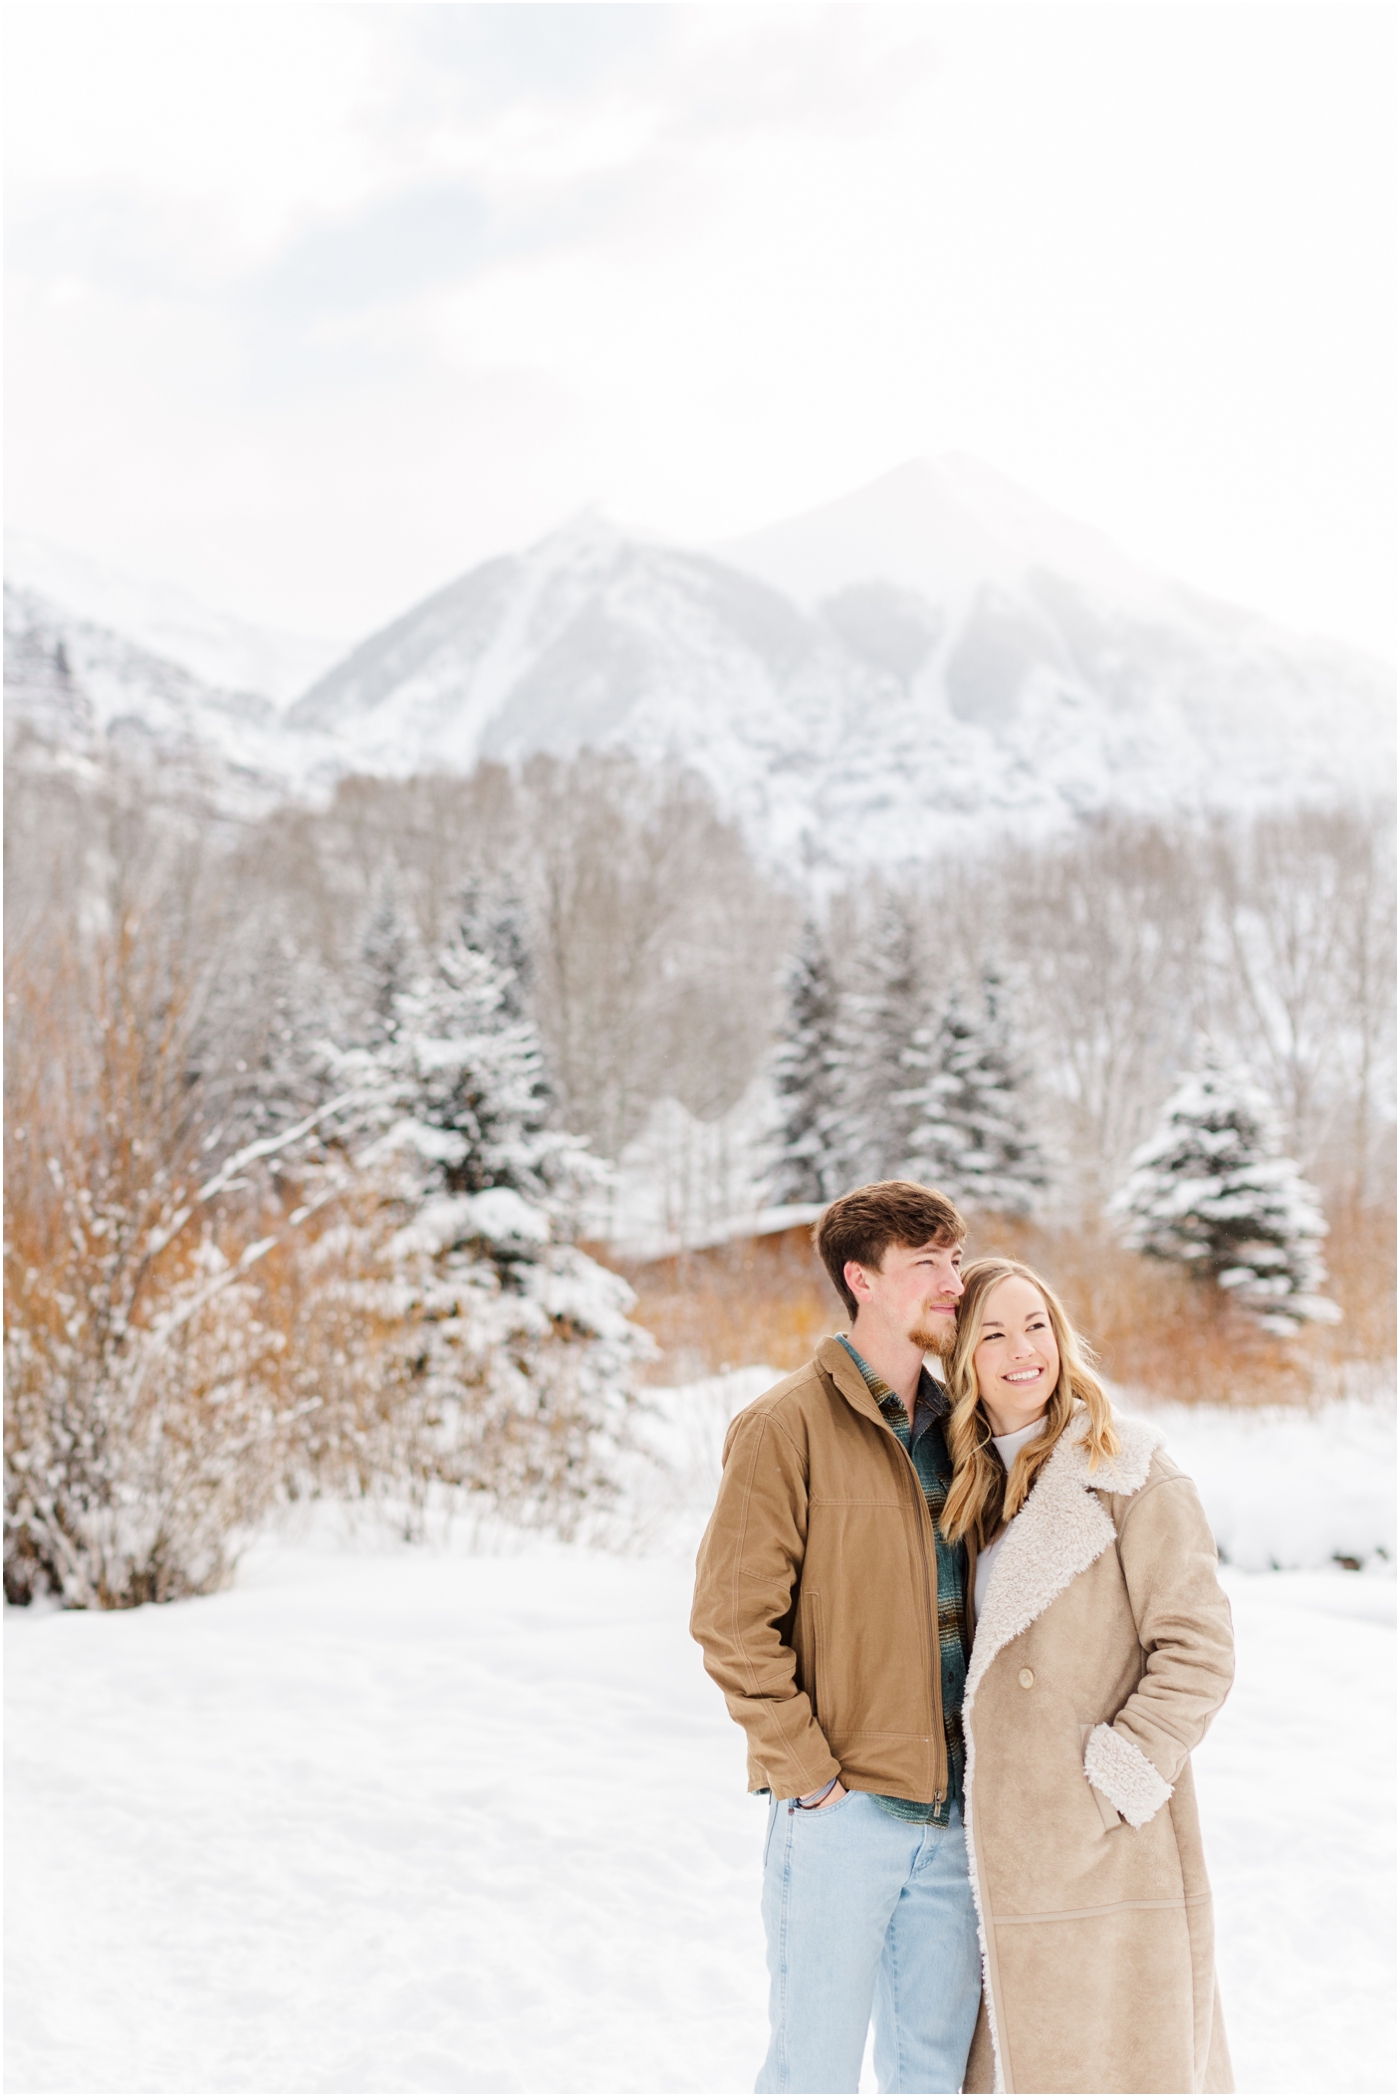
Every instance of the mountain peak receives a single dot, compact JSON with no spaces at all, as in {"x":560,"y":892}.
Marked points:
{"x":945,"y":528}
{"x":588,"y":532}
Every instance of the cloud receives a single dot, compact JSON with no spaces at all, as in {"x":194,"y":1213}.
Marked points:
{"x":323,"y":299}
{"x":493,"y":55}
{"x":389,"y":250}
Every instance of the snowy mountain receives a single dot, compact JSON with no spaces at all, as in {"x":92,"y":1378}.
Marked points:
{"x":944,"y":529}
{"x":934,"y":655}
{"x":72,"y":687}
{"x":218,"y":648}
{"x":931,"y":659}
{"x":592,"y":638}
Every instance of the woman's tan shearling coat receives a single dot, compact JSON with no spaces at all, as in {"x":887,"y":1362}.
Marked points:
{"x":1101,"y":1654}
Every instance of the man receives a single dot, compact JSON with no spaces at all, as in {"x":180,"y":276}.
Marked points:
{"x":834,"y":1617}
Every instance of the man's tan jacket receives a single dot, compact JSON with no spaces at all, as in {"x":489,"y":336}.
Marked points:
{"x":816,"y":1594}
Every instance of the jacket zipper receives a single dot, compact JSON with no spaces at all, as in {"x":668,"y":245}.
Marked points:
{"x":940,"y":1737}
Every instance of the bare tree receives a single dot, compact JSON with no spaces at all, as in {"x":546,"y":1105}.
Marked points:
{"x":1304,"y":981}
{"x":657,"y":944}
{"x":1105,"y":935}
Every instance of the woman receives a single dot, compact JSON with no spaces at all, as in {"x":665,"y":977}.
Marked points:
{"x":1102,"y":1651}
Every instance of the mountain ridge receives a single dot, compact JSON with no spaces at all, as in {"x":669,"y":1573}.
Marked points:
{"x":74,"y":688}
{"x":1008,"y":672}
{"x":225,"y":652}
{"x":968,"y":681}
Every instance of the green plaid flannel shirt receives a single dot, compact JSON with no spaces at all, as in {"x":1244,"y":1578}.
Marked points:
{"x":929,"y":1452}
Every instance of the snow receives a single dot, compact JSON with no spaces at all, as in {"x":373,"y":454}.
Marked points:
{"x":79,"y":685}
{"x":1212,"y":1189}
{"x":683,"y":1181}
{"x":942,"y":528}
{"x":1285,"y":1488}
{"x":1022,"y":673}
{"x":218,"y":648}
{"x":449,"y":1819}
{"x":751,"y":1223}
{"x":1051,"y":681}
{"x":454,"y":1080}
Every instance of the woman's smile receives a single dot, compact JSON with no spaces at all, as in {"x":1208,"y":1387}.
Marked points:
{"x":1016,"y":1359}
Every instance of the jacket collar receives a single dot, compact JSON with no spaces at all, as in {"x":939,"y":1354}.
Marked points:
{"x":1060,"y":1531}
{"x":833,"y":1359}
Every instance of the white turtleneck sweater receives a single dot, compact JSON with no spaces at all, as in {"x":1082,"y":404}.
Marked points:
{"x":1008,"y":1447}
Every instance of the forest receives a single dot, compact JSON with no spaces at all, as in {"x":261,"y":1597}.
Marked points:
{"x":321,"y":1120}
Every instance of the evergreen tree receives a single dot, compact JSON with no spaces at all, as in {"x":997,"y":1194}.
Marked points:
{"x":491,"y":918}
{"x":388,"y":959}
{"x":514,"y":1381}
{"x":259,"y":1050}
{"x":1213,"y":1189}
{"x":971,"y":1137}
{"x":806,"y":1075}
{"x":878,"y":1032}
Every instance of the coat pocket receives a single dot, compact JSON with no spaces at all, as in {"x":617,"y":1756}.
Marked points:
{"x":1108,"y":1812}
{"x":812,"y":1669}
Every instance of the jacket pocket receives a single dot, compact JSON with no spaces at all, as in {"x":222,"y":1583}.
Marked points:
{"x":812,"y":1604}
{"x":1108,"y":1812}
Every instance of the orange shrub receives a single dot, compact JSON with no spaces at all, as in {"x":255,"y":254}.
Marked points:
{"x":1155,"y":1329}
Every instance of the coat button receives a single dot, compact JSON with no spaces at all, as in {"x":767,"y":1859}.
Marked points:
{"x":1025,"y":1678}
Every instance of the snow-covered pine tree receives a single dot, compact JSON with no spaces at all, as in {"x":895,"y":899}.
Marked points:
{"x":880,"y":1022}
{"x":261,"y":1046}
{"x":514,"y":1380}
{"x":806,"y":1077}
{"x":1213,"y":1189}
{"x":971,"y":1137}
{"x":491,"y":918}
{"x":388,"y":959}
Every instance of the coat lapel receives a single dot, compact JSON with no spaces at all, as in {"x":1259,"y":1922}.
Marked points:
{"x":1062,"y":1528}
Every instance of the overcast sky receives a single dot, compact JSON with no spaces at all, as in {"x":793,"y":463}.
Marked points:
{"x":313,"y":306}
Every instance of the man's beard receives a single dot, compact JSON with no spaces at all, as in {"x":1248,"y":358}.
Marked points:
{"x":935,"y":1336}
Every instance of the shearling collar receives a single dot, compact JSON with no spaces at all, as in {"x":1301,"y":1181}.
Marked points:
{"x":1062,"y":1528}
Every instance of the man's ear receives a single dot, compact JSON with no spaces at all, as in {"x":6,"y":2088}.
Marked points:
{"x":857,"y":1280}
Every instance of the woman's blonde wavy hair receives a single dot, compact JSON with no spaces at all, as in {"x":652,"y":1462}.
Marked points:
{"x":982,"y":1496}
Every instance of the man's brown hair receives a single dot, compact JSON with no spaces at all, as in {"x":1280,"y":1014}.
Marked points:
{"x":863,"y":1225}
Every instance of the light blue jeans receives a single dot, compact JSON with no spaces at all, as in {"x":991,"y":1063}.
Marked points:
{"x":862,"y":1910}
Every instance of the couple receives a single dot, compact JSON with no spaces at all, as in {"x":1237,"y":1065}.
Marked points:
{"x":972,"y":1631}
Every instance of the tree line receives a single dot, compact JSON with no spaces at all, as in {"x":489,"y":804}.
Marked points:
{"x":307,"y":1113}
{"x":1089,"y":972}
{"x":894,"y":1075}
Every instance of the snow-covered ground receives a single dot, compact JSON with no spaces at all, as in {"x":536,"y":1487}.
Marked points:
{"x":385,"y":1819}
